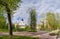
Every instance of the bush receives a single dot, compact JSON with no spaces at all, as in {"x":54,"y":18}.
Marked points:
{"x":27,"y":28}
{"x":23,"y":29}
{"x":4,"y":26}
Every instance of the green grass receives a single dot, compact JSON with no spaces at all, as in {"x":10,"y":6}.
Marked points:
{"x":5,"y":30}
{"x":17,"y":37}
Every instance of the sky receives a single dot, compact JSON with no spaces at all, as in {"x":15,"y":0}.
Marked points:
{"x":41,"y":6}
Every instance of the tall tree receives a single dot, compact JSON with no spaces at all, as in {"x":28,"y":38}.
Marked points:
{"x":33,"y":20}
{"x":51,"y":20}
{"x":8,"y":6}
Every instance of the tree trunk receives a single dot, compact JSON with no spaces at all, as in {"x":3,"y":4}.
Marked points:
{"x":10,"y":24}
{"x":9,"y":19}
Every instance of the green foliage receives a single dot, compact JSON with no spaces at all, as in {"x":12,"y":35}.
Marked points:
{"x":5,"y":28}
{"x":12,"y":4}
{"x":58,"y":20}
{"x":21,"y":29}
{"x":3,"y":24}
{"x":27,"y":28}
{"x":42,"y":27}
{"x":51,"y":20}
{"x":33,"y":20}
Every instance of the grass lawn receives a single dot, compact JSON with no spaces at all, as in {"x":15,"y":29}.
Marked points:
{"x":5,"y":30}
{"x":17,"y":37}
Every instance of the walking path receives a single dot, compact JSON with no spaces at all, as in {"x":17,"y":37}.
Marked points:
{"x":40,"y":34}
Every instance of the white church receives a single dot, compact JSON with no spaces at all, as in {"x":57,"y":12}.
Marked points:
{"x":21,"y":24}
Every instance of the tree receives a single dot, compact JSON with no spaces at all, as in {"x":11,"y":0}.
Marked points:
{"x":33,"y":20}
{"x":8,"y":6}
{"x":51,"y":18}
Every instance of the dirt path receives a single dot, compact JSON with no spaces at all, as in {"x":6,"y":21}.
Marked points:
{"x":32,"y":34}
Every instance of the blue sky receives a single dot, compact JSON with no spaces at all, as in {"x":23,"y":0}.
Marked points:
{"x":41,"y":6}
